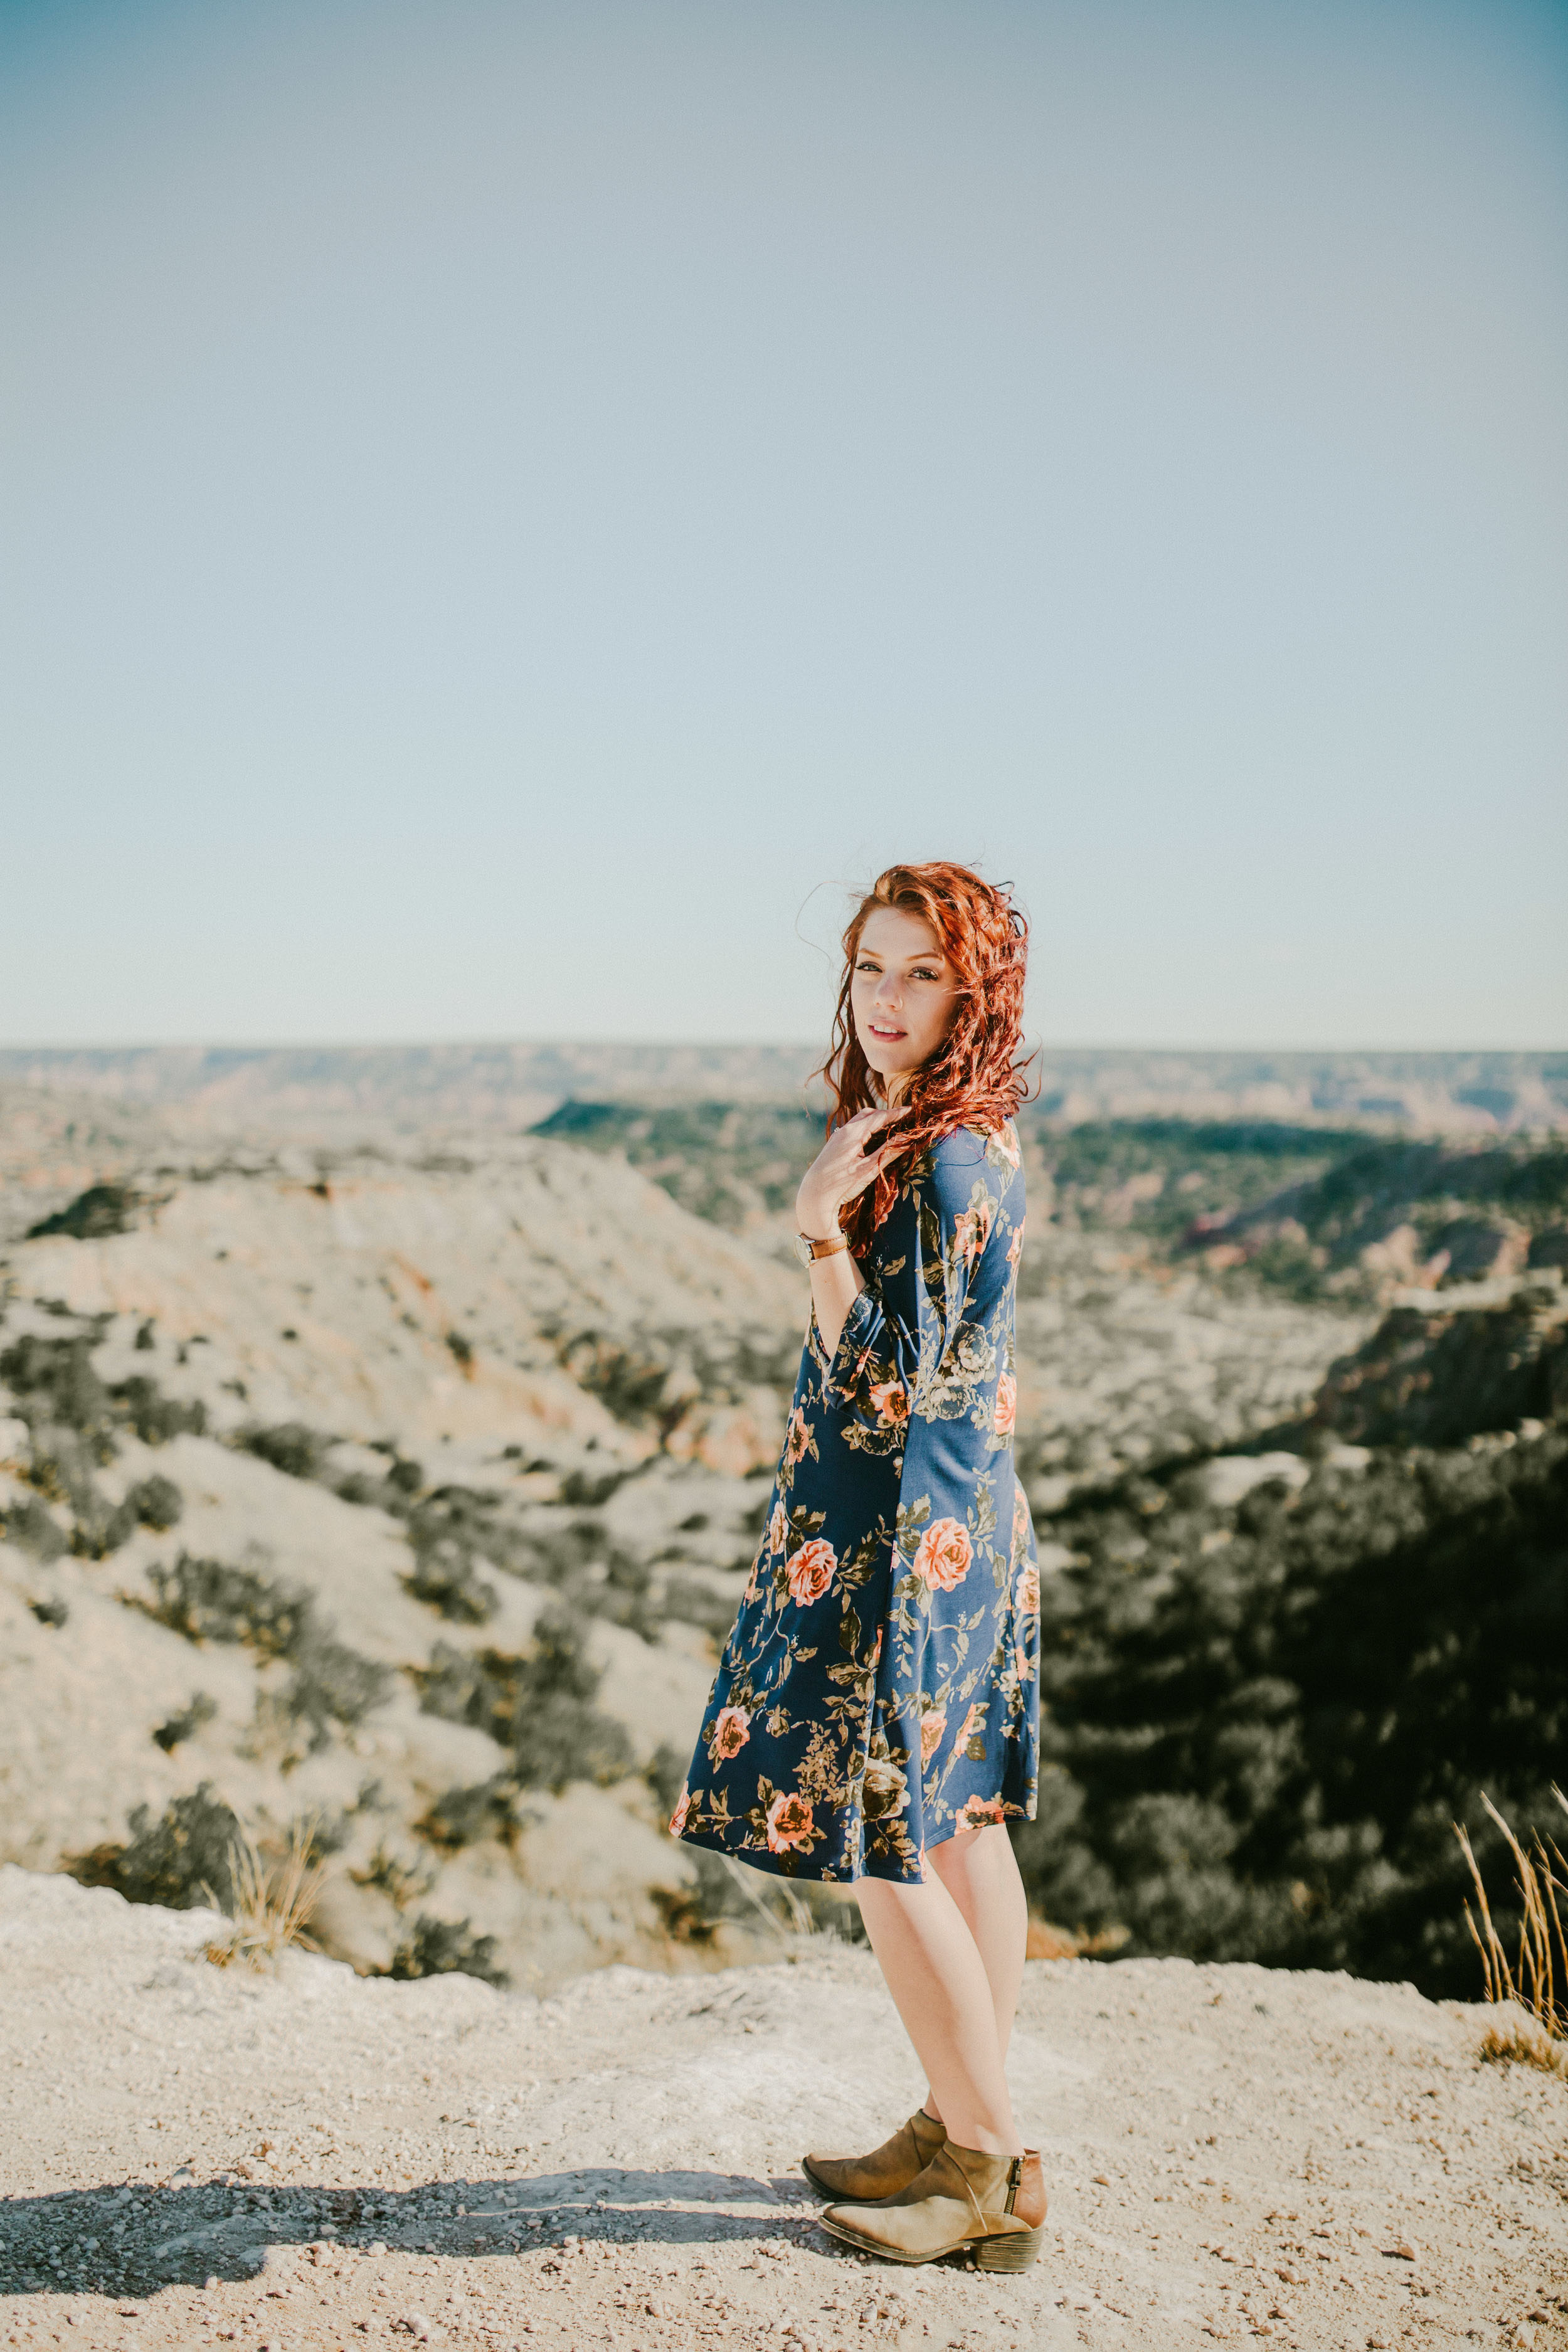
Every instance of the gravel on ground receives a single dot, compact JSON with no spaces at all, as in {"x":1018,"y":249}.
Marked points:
{"x":195,"y":2156}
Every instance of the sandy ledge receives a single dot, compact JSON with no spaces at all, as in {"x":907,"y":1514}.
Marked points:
{"x":191,"y":2156}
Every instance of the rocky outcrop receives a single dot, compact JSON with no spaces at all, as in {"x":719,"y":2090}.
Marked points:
{"x":1442,"y":1368}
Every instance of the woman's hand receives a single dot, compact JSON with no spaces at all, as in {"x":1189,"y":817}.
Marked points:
{"x":843,"y":1168}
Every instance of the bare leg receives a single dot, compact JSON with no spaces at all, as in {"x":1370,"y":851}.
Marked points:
{"x":979,"y":1871}
{"x":937,"y":1977}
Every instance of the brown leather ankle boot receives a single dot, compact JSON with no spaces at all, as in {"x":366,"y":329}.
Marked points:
{"x":866,"y":2179}
{"x":993,"y":2205}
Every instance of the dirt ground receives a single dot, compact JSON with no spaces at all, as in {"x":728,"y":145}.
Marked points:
{"x":194,"y":2155}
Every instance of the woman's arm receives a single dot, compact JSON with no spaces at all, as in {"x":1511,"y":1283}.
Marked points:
{"x":836,"y":1283}
{"x":887,"y":1347}
{"x":843,"y":1168}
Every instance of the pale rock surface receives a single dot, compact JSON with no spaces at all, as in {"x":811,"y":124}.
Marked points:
{"x":331,"y":1301}
{"x":191,"y":2156}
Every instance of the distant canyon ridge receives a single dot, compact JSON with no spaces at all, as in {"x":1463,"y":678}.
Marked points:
{"x":513,"y":1085}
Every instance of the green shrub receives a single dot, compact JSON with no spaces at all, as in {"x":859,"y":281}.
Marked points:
{"x":540,"y":1707}
{"x":665,"y":1775}
{"x":444,"y":1948}
{"x":559,"y":1738}
{"x":469,"y":1519}
{"x":332,"y":1684}
{"x":464,"y":1815}
{"x":625,"y":1597}
{"x":207,"y":1600}
{"x":291,"y":1447}
{"x":33,"y":1529}
{"x":480,"y":1688}
{"x":157,"y":1503}
{"x":180,"y":1860}
{"x":55,"y":1612}
{"x":587,"y":1489}
{"x":154,"y":1417}
{"x":65,"y":1462}
{"x":444,"y":1576}
{"x":102,"y":1211}
{"x":54,"y":1381}
{"x":696,"y":1603}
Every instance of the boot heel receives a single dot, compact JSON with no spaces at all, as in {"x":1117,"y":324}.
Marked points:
{"x":1010,"y":2250}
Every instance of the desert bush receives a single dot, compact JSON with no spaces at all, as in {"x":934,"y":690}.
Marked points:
{"x":102,"y":1211}
{"x":445,"y":1576}
{"x":331,"y":1684}
{"x":558,"y":1735}
{"x":157,"y":1503}
{"x":54,"y":1381}
{"x":33,"y":1529}
{"x":696,"y":1603}
{"x":480,"y":1688}
{"x":55,"y":1612}
{"x":540,"y":1707}
{"x":403,"y":1882}
{"x":445,"y":1948}
{"x":180,"y":1860}
{"x":291,"y":1447}
{"x":208,"y":1601}
{"x":64,"y":1464}
{"x":471,"y":1519}
{"x":464,"y":1815}
{"x":185,"y":1722}
{"x":154,"y":1417}
{"x":560,"y":1554}
{"x":587,"y":1489}
{"x":560,"y":1739}
{"x":665,"y":1775}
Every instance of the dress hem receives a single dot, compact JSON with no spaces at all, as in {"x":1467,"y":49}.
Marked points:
{"x":795,"y":1866}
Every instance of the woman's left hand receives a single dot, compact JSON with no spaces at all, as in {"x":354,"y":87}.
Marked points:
{"x":841,"y":1169}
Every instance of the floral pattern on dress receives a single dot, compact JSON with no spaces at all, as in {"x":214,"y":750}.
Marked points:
{"x":880,"y":1690}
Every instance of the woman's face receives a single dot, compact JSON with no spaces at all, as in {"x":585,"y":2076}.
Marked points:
{"x":901,"y":991}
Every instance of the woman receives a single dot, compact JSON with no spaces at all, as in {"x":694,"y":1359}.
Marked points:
{"x":875,"y":1719}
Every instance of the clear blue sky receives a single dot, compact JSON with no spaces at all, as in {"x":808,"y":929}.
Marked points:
{"x":503,"y":505}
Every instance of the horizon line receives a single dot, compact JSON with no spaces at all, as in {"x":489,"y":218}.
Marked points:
{"x":341,"y":1044}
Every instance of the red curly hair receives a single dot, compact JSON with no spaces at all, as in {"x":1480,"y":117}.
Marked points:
{"x":976,"y":1077}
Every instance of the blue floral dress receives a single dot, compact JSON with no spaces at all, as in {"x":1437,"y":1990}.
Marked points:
{"x":879,"y":1691}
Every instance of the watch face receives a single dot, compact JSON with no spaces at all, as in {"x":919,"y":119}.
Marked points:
{"x":803,"y":1249}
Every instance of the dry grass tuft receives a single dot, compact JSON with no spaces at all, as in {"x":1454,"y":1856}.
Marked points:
{"x":1047,"y":1942}
{"x":794,"y":1923}
{"x":1522,"y":2043}
{"x":272,"y":1902}
{"x":1535,"y":1983}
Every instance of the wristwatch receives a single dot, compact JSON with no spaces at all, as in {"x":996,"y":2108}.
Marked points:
{"x":809,"y":1250}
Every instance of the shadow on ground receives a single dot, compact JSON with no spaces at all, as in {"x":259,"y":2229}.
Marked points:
{"x":131,"y":2240}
